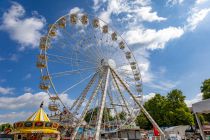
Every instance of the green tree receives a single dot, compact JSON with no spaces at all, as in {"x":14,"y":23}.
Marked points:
{"x":143,"y":122}
{"x":156,"y":108}
{"x":92,"y":115}
{"x":177,"y":110}
{"x":4,"y":126}
{"x":121,"y":115}
{"x":167,"y":111}
{"x":205,"y":89}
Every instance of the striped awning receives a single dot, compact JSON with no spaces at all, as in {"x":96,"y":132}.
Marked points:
{"x":39,"y":115}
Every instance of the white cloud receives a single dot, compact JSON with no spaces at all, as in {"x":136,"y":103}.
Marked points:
{"x":197,"y":98}
{"x":28,"y":90}
{"x":14,"y":57}
{"x":2,"y":59}
{"x":174,"y":2}
{"x":148,"y":97}
{"x":75,"y":10}
{"x":26,"y":31}
{"x":196,"y":16}
{"x":163,"y":85}
{"x":14,"y":116}
{"x":151,"y":38}
{"x":6,"y":90}
{"x":201,"y":1}
{"x":2,"y":80}
{"x":25,"y":101}
{"x":140,"y":9}
{"x":28,"y":76}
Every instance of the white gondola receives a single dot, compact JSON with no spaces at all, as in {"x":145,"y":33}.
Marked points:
{"x":138,"y":85}
{"x":42,"y":45}
{"x":53,"y":106}
{"x":42,"y":57}
{"x":52,"y":30}
{"x":96,"y":23}
{"x":105,"y":29}
{"x":45,"y":77}
{"x":139,"y":89}
{"x":121,"y":45}
{"x":128,"y":55}
{"x":137,"y":78}
{"x":84,"y":19}
{"x":133,"y":67}
{"x":62,"y":22}
{"x":73,"y":18}
{"x":114,"y":36}
{"x":132,"y":63}
{"x":41,"y":65}
{"x":44,"y":86}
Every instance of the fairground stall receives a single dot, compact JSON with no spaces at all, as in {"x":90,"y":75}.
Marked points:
{"x":37,"y":127}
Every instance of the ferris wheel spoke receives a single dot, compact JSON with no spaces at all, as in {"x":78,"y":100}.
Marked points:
{"x":97,"y":43}
{"x":70,"y":71}
{"x":68,"y":44}
{"x":90,"y":37}
{"x":83,"y":38}
{"x":81,"y":81}
{"x":60,"y":58}
{"x":68,"y":58}
{"x":95,"y":47}
{"x":86,"y":109}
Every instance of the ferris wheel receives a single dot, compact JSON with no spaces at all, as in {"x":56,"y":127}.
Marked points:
{"x":84,"y":58}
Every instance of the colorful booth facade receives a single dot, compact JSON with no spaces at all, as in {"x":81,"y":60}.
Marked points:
{"x":37,"y":127}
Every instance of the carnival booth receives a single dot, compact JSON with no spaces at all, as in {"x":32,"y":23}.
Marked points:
{"x":37,"y":127}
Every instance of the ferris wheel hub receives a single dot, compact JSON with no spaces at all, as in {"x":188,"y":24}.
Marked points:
{"x":108,"y":63}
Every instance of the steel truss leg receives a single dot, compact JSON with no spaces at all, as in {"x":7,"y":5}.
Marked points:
{"x":200,"y":127}
{"x":140,"y":105}
{"x":86,"y":109}
{"x":81,"y":98}
{"x":102,"y":105}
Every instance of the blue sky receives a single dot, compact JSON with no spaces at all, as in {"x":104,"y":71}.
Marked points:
{"x":169,"y":38}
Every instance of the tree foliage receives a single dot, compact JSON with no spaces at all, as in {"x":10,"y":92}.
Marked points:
{"x":205,"y":89}
{"x":92,"y":115}
{"x":169,"y":110}
{"x":4,"y":126}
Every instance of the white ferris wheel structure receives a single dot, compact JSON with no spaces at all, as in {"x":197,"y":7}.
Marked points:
{"x":83,"y":57}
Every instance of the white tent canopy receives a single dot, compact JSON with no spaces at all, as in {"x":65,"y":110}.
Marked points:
{"x":202,"y":106}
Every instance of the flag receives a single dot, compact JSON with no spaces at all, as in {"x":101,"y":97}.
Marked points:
{"x":156,"y":132}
